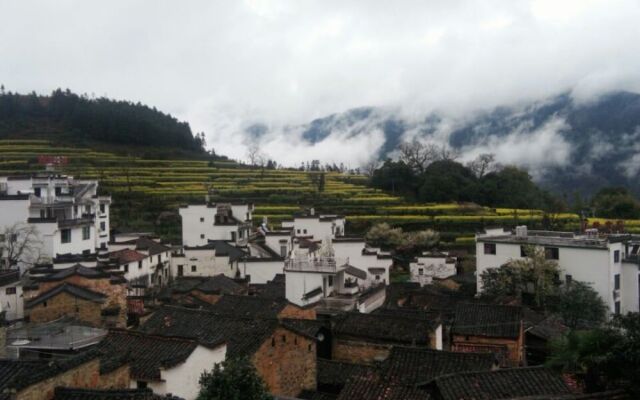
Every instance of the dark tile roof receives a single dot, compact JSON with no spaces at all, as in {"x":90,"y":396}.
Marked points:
{"x":397,"y":329}
{"x":312,"y":293}
{"x":64,"y":393}
{"x":222,"y":248}
{"x":73,"y":290}
{"x":501,"y":384}
{"x":353,"y":271}
{"x":274,"y":288}
{"x":218,"y":284}
{"x":487,"y":320}
{"x":19,"y":374}
{"x":313,"y":395}
{"x":608,"y":395}
{"x":9,"y":277}
{"x":410,"y":365}
{"x":148,"y":354}
{"x":249,"y":306}
{"x":243,"y":335}
{"x":125,"y":256}
{"x":333,"y":375}
{"x":77,"y":269}
{"x":147,"y":244}
{"x":371,"y":386}
{"x":310,"y":327}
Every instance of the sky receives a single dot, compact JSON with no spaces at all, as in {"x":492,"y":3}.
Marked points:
{"x":225,"y":65}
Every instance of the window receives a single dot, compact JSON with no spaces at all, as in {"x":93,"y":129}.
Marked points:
{"x":65,"y":236}
{"x":103,"y":208}
{"x":36,"y":192}
{"x":523,"y":251}
{"x":202,"y":236}
{"x":126,"y":268}
{"x":283,"y":251}
{"x":616,"y":256}
{"x":10,"y":290}
{"x":616,"y":282}
{"x":552,"y":253}
{"x":568,"y":279}
{"x":86,"y":233}
{"x":489,"y":248}
{"x":194,"y":268}
{"x":75,"y":210}
{"x":304,"y":231}
{"x":159,"y":258}
{"x":141,"y":384}
{"x":44,"y":303}
{"x":298,"y":231}
{"x":42,"y":214}
{"x":140,"y":264}
{"x":330,"y":280}
{"x":103,"y":226}
{"x":87,"y":209}
{"x":377,"y":277}
{"x":201,"y":219}
{"x":58,"y":191}
{"x":180,"y":270}
{"x":420,"y":271}
{"x":617,"y":307}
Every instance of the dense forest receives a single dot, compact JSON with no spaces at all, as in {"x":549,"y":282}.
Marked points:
{"x":86,"y":119}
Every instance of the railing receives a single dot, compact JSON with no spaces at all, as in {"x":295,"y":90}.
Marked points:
{"x":322,"y":264}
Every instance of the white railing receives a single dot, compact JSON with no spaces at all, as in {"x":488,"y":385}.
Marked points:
{"x":318,"y":264}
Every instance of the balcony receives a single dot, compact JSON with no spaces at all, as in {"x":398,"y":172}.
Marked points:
{"x":326,"y":265}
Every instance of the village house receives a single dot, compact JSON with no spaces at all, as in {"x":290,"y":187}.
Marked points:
{"x":223,"y":221}
{"x":374,"y":261}
{"x":67,"y":214}
{"x":432,"y":265}
{"x":497,"y":329}
{"x":315,"y":226}
{"x":127,"y":256}
{"x":198,"y":290}
{"x":588,"y":257}
{"x":284,"y":357}
{"x":88,"y":294}
{"x":38,"y":380}
{"x":214,"y":258}
{"x":11,"y":297}
{"x":163,"y":364}
{"x":367,"y":338}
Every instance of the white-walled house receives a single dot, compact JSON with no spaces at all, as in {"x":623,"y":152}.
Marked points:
{"x":68,"y":214}
{"x":214,"y":258}
{"x":432,"y":265}
{"x":314,"y":226}
{"x":588,"y":258}
{"x":223,"y":221}
{"x":11,"y":297}
{"x":355,"y":252}
{"x":144,"y":260}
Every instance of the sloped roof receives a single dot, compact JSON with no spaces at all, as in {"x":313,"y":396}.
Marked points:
{"x":333,"y":375}
{"x":274,"y":288}
{"x":218,"y":284}
{"x":77,"y":269}
{"x":65,"y":393}
{"x":411,"y":365}
{"x":501,"y":384}
{"x":148,"y":354}
{"x":372,"y":386}
{"x":249,"y":306}
{"x":147,"y":244}
{"x":125,"y":256}
{"x":73,"y":290}
{"x":222,"y":248}
{"x":386,"y":328}
{"x":487,"y":320}
{"x":353,"y":271}
{"x":243,"y":335}
{"x":9,"y":277}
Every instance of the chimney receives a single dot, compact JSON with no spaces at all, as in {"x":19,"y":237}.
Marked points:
{"x":521,"y":231}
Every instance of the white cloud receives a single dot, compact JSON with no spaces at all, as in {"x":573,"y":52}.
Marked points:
{"x":225,"y":65}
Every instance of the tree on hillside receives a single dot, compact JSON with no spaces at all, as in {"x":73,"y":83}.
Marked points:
{"x":615,"y":203}
{"x":396,"y":177}
{"x":406,"y":243}
{"x":233,"y":379}
{"x":447,"y":180}
{"x":482,"y":164}
{"x":579,"y":305}
{"x":383,"y":235}
{"x":417,"y":155}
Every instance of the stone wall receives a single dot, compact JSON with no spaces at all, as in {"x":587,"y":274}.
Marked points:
{"x":287,"y":363}
{"x":65,"y":304}
{"x":296,"y":312}
{"x":86,"y":375}
{"x":358,"y":351}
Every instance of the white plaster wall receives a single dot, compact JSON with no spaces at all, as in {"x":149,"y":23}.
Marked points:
{"x":12,"y":304}
{"x":630,"y":292}
{"x":13,"y":212}
{"x":312,"y":227}
{"x":589,"y":265}
{"x":77,"y":244}
{"x":299,"y":283}
{"x":438,"y":333}
{"x":17,"y":186}
{"x":193,"y":227}
{"x":261,"y":271}
{"x":274,"y":242}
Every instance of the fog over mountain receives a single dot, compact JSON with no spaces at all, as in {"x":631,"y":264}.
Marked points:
{"x":344,"y":81}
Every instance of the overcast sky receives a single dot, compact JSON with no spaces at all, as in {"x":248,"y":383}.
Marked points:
{"x":224,"y":65}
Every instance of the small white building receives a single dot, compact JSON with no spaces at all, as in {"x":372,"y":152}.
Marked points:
{"x":11,"y":297}
{"x":214,"y":258}
{"x":316,"y":226}
{"x":223,"y":221}
{"x":590,"y":258}
{"x":374,"y":261}
{"x":431,"y":265}
{"x":144,"y":260}
{"x":67,"y":214}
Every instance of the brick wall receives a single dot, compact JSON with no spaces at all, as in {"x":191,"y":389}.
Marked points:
{"x":86,"y":375}
{"x":295,"y":312}
{"x":509,"y":350}
{"x":287,"y":363}
{"x":65,"y":304}
{"x":358,"y":351}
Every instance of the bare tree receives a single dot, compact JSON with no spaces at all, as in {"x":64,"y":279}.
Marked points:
{"x":19,"y":244}
{"x":253,"y":154}
{"x":369,"y":168}
{"x":418,"y":155}
{"x":482,"y":164}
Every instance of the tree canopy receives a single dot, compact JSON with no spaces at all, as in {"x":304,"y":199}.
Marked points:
{"x":233,"y":379}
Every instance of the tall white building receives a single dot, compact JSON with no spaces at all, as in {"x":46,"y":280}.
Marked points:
{"x":68,"y":215}
{"x":315,"y":226}
{"x":605,"y":262}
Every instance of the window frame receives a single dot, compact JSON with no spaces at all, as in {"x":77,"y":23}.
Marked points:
{"x":490,"y":249}
{"x":64,"y":239}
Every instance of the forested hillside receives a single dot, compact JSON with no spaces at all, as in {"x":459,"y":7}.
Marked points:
{"x":79,"y":119}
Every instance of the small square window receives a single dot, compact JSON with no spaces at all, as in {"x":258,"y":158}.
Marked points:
{"x":65,"y":236}
{"x":10,"y":290}
{"x":193,"y":268}
{"x":420,"y":271}
{"x":552,"y":253}
{"x":202,"y":236}
{"x":489,"y":248}
{"x":201,"y":219}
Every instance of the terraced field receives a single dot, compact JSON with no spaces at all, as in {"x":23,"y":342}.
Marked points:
{"x":147,"y":192}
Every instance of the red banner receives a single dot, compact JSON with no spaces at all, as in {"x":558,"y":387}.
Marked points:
{"x":57,"y":160}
